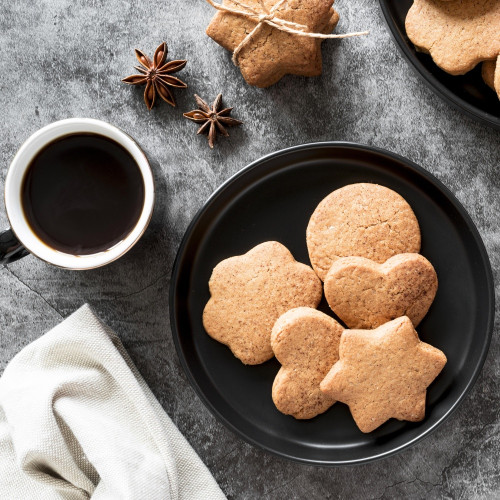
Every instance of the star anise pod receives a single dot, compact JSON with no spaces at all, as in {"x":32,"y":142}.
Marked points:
{"x":213,"y":119}
{"x":156,"y":74}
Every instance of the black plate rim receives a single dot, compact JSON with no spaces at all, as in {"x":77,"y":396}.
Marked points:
{"x":412,"y":167}
{"x":434,"y":84}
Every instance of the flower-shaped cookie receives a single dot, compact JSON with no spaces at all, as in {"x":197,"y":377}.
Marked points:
{"x":458,"y":35}
{"x":364,"y":294}
{"x":306,"y":343}
{"x":383,"y":373}
{"x":272,"y":53}
{"x":250,"y":292}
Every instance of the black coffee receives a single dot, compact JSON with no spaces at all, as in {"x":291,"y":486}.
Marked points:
{"x":82,"y":194}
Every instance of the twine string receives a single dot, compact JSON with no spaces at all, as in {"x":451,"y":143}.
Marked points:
{"x":270,"y":18}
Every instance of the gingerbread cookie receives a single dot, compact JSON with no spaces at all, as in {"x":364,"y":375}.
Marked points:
{"x":383,"y":374}
{"x":365,"y":220}
{"x":458,"y":35}
{"x":491,"y":74}
{"x":250,"y":292}
{"x":365,"y":294}
{"x":272,"y":53}
{"x":306,"y":343}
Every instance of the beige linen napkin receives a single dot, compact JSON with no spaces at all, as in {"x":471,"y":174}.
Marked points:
{"x":78,"y":421}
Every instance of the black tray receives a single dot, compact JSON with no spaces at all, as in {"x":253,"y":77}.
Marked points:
{"x":468,"y":92}
{"x":272,"y":199}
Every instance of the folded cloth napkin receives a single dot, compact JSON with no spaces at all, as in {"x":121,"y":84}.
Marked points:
{"x":78,"y":421}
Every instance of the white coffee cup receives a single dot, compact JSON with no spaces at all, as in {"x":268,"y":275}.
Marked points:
{"x":21,"y":240}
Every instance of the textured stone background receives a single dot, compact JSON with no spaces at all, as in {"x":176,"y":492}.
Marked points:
{"x":65,"y":58}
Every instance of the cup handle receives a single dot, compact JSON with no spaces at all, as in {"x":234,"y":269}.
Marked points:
{"x":11,"y":248}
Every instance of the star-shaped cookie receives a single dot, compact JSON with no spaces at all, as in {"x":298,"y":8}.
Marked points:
{"x":383,"y":373}
{"x":272,"y":53}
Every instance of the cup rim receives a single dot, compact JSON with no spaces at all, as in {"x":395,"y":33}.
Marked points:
{"x":15,"y":176}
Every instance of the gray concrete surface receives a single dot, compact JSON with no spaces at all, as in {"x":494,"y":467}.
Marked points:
{"x":65,"y":58}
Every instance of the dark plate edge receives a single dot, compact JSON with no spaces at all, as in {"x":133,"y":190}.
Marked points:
{"x":436,"y":86}
{"x":412,"y":166}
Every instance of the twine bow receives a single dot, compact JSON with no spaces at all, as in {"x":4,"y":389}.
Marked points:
{"x":269,"y":17}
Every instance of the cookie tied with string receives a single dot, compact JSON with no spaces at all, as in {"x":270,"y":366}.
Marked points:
{"x":272,"y":38}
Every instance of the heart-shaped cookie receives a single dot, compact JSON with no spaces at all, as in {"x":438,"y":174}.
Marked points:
{"x":365,"y":294}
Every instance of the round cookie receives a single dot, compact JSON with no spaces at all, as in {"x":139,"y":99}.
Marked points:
{"x":250,"y":292}
{"x":306,"y":343}
{"x":364,"y":294}
{"x":365,"y":220}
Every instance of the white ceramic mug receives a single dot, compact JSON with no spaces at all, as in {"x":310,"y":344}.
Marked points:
{"x":20,"y":239}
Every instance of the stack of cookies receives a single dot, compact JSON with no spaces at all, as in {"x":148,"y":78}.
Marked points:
{"x":270,"y":53}
{"x":458,"y":34}
{"x":363,"y":242}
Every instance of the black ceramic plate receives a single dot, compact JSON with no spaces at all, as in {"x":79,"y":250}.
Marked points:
{"x":468,"y":93}
{"x":272,"y":199}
